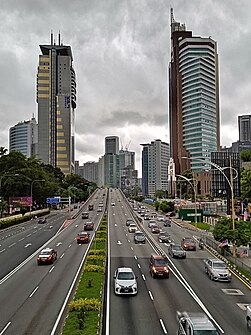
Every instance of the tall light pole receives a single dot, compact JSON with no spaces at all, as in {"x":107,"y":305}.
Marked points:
{"x":230,"y":183}
{"x":195,"y":195}
{"x":31,"y":191}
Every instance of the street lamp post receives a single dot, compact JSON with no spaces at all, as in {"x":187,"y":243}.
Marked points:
{"x":31,"y":191}
{"x":195,"y":195}
{"x":230,"y":183}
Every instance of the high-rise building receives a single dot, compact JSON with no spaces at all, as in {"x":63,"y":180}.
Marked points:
{"x":128,"y":174}
{"x":111,"y":162}
{"x":23,"y":137}
{"x":193,"y":98}
{"x":155,"y":160}
{"x":244,"y":125}
{"x":89,"y":171}
{"x":56,"y":98}
{"x":112,"y":145}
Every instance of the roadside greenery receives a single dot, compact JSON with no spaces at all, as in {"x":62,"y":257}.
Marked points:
{"x":241,"y":235}
{"x":17,"y":172}
{"x":85,"y":309}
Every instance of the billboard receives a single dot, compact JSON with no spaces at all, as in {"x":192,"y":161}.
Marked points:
{"x":20,"y":201}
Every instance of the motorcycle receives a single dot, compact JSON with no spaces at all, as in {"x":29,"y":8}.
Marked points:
{"x":201,"y":245}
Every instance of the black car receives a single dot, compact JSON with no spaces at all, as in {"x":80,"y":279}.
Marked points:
{"x":41,"y":220}
{"x":164,"y":237}
{"x":167,"y":223}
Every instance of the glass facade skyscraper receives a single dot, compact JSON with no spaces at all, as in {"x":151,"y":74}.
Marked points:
{"x":193,"y":98}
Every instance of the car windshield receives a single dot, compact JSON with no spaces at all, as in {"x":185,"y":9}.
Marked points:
{"x":125,"y":275}
{"x":45,"y":252}
{"x":139,"y":234}
{"x":205,"y":332}
{"x":219,"y":265}
{"x":177,"y":247}
{"x":189,"y":241}
{"x":160,"y":262}
{"x":132,"y":225}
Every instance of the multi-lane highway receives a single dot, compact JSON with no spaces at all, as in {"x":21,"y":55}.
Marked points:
{"x":189,"y":289}
{"x":32,"y":298}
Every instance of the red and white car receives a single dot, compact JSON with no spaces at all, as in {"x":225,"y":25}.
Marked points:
{"x":46,"y":256}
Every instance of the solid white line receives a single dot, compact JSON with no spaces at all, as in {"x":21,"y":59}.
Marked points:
{"x":163,"y":326}
{"x":33,"y":292}
{"x":52,"y":268}
{"x":3,"y":331}
{"x":150,"y":293}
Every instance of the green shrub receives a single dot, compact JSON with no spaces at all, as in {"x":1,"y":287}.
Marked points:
{"x":86,"y":304}
{"x":94,"y":268}
{"x":97,"y":252}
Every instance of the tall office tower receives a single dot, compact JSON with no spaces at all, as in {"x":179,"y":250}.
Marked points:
{"x":128,"y":174}
{"x":23,"y":137}
{"x":112,"y":145}
{"x":111,"y":162}
{"x":56,"y":98}
{"x":89,"y":171}
{"x":244,"y":124}
{"x":155,"y":160}
{"x":193,"y":98}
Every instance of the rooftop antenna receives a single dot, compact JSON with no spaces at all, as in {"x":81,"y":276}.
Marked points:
{"x":172,"y":16}
{"x":59,"y":37}
{"x":51,"y":37}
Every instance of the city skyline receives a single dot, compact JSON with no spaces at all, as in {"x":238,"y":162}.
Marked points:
{"x":121,"y":63}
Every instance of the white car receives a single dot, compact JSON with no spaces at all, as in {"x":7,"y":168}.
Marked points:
{"x":125,"y":282}
{"x":132,"y":228}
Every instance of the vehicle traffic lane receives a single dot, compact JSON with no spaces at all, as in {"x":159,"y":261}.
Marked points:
{"x":19,"y":243}
{"x":221,"y":298}
{"x":128,"y":315}
{"x":48,"y":284}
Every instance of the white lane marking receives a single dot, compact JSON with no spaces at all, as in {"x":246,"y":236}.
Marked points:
{"x":21,"y":239}
{"x":129,"y":241}
{"x":139,"y":266}
{"x":52,"y":268}
{"x":119,"y":243}
{"x":69,"y":245}
{"x":58,"y":244}
{"x":115,"y":225}
{"x":135,"y":257}
{"x":62,"y":255}
{"x":3,"y":331}
{"x":132,"y":248}
{"x":27,"y":245}
{"x":28,"y":235}
{"x":33,"y":292}
{"x":11,"y":245}
{"x":151,"y":296}
{"x":163,"y":326}
{"x":2,"y":250}
{"x":143,"y":276}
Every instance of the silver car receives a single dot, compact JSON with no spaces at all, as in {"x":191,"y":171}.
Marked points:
{"x":139,"y":237}
{"x":217,"y":270}
{"x":176,"y":250}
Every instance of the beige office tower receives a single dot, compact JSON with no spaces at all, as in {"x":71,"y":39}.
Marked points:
{"x":56,"y":98}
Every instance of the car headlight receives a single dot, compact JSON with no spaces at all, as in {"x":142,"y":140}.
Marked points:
{"x":215,"y":274}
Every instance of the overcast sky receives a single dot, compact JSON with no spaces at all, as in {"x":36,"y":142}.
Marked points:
{"x":121,"y":51}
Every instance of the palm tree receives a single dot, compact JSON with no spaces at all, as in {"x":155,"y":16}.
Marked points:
{"x":3,"y":151}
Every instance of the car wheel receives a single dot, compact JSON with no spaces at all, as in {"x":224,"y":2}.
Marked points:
{"x":211,"y":276}
{"x":249,"y":325}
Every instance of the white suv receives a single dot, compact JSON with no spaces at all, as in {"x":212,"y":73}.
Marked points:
{"x":125,"y":282}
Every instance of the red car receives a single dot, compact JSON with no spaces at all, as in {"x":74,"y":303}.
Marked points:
{"x":83,"y":237}
{"x":188,"y":243}
{"x":89,"y":226}
{"x":47,"y":256}
{"x":155,"y":229}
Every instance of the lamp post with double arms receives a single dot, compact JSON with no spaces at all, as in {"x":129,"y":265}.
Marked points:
{"x":231,"y":186}
{"x":31,"y":191}
{"x":194,"y":187}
